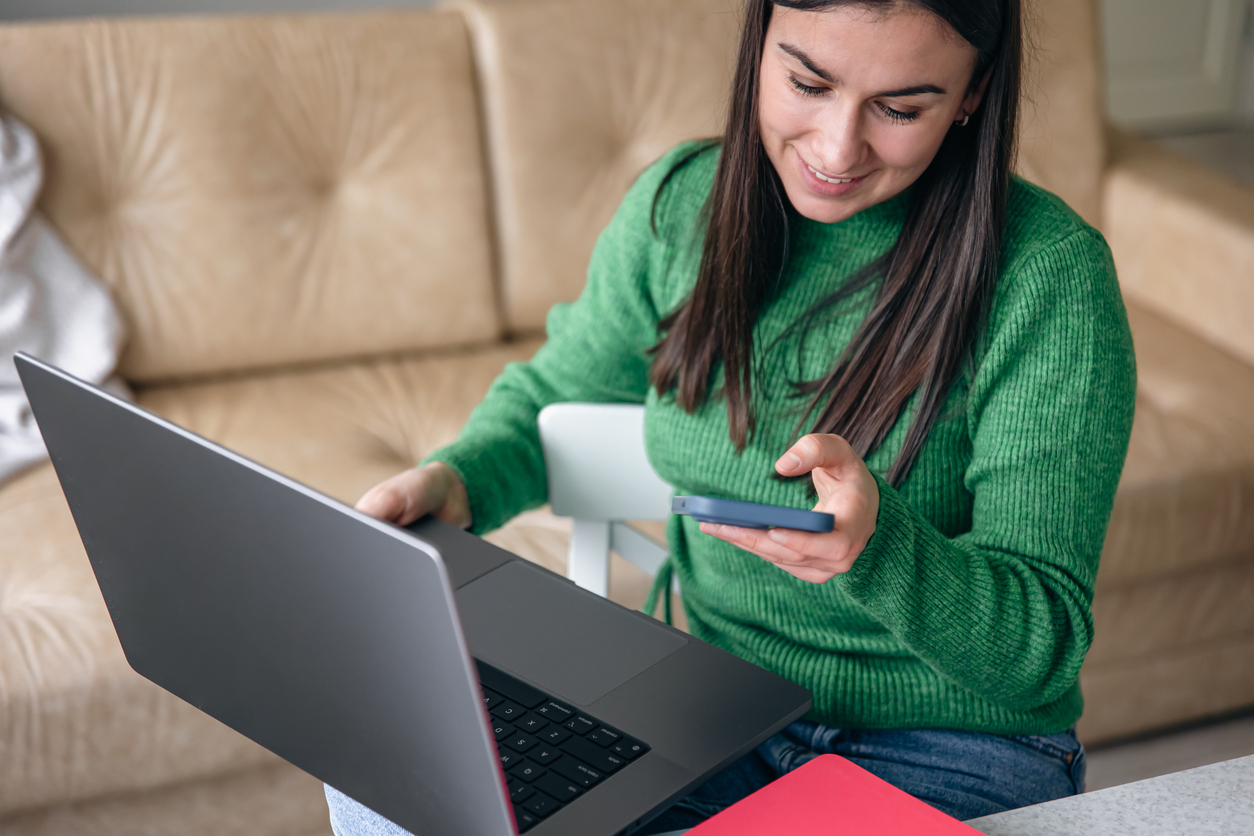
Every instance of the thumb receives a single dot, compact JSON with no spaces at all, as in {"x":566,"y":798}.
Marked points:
{"x":385,"y":502}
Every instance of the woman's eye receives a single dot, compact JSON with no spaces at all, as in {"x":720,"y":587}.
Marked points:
{"x":805,"y":89}
{"x":897,"y":115}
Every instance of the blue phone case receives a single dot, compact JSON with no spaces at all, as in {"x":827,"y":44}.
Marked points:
{"x":751,"y":514}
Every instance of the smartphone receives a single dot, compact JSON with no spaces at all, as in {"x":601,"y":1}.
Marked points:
{"x":707,"y":509}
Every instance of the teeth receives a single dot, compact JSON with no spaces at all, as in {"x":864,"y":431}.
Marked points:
{"x":828,"y":179}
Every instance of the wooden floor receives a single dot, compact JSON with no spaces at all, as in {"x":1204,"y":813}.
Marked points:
{"x":1149,"y":757}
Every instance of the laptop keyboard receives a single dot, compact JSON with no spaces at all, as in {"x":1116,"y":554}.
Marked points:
{"x":551,"y":752}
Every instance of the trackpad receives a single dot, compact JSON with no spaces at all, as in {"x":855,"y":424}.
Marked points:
{"x":564,"y":639}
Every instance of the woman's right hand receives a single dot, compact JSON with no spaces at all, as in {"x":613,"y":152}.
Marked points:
{"x":431,"y":489}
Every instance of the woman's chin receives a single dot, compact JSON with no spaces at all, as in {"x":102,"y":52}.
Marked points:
{"x":826,"y":210}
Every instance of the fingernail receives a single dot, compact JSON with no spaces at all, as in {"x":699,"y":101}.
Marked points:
{"x":790,"y":461}
{"x":777,"y":535}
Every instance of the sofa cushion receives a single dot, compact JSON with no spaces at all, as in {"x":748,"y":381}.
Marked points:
{"x":581,"y":95}
{"x":1136,"y":622}
{"x":1184,"y":499}
{"x":270,"y":800}
{"x":1167,"y":689}
{"x":1062,"y":121}
{"x":1183,"y":239}
{"x":75,"y":720}
{"x":265,"y":190}
{"x":1169,"y":650}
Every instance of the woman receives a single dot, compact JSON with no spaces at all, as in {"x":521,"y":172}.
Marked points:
{"x":855,"y":261}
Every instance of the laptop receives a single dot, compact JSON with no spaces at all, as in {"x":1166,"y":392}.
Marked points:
{"x":447,"y":684}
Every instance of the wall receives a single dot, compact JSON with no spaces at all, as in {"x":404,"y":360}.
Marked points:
{"x":30,"y":9}
{"x":1245,"y":80}
{"x":1174,"y":65}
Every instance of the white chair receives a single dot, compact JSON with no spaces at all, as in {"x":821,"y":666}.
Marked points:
{"x":599,"y":476}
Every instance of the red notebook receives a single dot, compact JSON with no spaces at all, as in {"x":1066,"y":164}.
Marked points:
{"x":830,"y":796}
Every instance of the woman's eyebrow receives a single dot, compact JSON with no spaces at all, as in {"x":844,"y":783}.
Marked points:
{"x":809,"y":64}
{"x":912,"y":91}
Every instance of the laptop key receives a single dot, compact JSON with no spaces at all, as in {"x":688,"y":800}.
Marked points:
{"x":581,"y":724}
{"x":554,"y":734}
{"x":491,"y":699}
{"x":520,"y":742}
{"x":604,"y":736}
{"x":501,"y":729}
{"x":519,"y":792}
{"x":555,"y":712}
{"x":531,"y":723}
{"x":558,"y":787}
{"x":508,"y":758}
{"x":524,"y":818}
{"x":592,"y":754}
{"x":629,"y":748}
{"x":541,"y":805}
{"x":509,"y":710}
{"x":577,"y":771}
{"x":527,"y":771}
{"x":544,"y":754}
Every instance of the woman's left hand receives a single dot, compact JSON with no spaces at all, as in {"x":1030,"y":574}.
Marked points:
{"x":846,"y":490}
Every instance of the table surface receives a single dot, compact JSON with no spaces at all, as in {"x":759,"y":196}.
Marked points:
{"x":1216,"y":799}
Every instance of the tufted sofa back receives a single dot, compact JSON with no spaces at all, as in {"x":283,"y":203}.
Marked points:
{"x":580,"y":96}
{"x":270,"y":190}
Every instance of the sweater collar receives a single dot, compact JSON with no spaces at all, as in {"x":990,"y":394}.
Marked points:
{"x":881,"y":221}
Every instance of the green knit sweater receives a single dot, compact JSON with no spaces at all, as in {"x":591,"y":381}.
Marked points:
{"x":969,"y":608}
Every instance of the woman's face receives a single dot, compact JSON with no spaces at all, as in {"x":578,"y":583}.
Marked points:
{"x":854,"y":103}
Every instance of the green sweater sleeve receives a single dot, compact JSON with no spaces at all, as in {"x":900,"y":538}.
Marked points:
{"x":596,"y":351}
{"x":1003,"y":610}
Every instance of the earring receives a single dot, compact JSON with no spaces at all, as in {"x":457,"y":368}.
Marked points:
{"x":966,"y":117}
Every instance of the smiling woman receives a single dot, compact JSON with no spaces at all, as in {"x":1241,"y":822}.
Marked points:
{"x":843,"y":106}
{"x":848,"y":302}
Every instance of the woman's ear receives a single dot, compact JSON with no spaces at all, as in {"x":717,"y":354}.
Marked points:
{"x":972,"y":102}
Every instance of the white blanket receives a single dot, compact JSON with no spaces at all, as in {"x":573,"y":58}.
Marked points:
{"x":50,"y":305}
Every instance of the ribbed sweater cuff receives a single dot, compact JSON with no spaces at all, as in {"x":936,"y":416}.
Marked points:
{"x":485,"y":486}
{"x":880,"y":571}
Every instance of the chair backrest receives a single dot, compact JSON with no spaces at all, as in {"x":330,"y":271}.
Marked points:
{"x":599,"y":474}
{"x":597,"y":465}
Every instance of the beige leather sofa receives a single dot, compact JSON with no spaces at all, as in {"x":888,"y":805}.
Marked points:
{"x":329,"y":233}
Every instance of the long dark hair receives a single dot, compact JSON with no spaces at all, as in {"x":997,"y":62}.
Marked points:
{"x":937,"y":278}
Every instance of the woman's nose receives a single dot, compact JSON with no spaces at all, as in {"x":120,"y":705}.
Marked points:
{"x":838,"y":144}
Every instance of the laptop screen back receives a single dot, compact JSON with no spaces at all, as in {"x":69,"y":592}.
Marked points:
{"x":327,"y":637}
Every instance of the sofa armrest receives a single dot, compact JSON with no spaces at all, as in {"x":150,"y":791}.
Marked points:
{"x":1182,"y":235}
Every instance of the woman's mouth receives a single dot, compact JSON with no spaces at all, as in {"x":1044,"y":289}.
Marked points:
{"x":825,"y":185}
{"x":827,"y":179}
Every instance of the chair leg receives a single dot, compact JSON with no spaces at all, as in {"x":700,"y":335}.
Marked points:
{"x":639,"y":549}
{"x":588,"y":563}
